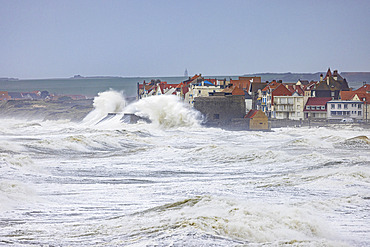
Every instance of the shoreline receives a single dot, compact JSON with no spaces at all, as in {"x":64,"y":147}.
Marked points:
{"x":73,"y":110}
{"x":77,"y":110}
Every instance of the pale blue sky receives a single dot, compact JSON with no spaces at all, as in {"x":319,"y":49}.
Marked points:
{"x":44,"y":39}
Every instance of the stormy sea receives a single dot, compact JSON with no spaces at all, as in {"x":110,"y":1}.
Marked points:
{"x":173,"y":182}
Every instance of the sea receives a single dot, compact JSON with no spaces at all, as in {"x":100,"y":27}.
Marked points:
{"x":174,"y":182}
{"x":89,"y":86}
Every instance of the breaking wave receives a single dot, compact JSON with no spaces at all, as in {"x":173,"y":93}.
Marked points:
{"x":106,"y":102}
{"x":165,"y":111}
{"x":220,"y":221}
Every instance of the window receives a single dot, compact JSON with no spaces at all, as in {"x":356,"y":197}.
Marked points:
{"x":333,"y":113}
{"x":359,"y":113}
{"x":332,"y":106}
{"x":339,"y":106}
{"x":308,"y":107}
{"x":359,"y":106}
{"x":345,"y":106}
{"x":322,"y":107}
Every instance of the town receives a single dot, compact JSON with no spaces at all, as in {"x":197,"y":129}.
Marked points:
{"x":249,"y":103}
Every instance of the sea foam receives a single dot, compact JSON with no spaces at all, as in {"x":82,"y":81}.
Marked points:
{"x":106,"y":102}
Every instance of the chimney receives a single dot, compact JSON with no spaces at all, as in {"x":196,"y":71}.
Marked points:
{"x":321,"y":77}
{"x":327,"y":80}
{"x":335,"y":75}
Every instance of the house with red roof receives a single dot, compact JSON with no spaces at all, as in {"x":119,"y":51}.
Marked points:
{"x":316,"y":108}
{"x":156,"y":87}
{"x":257,"y":120}
{"x":289,"y":106}
{"x":362,"y":94}
{"x":244,"y":82}
{"x":266,"y":92}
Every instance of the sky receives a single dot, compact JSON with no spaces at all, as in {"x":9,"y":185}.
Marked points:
{"x":59,"y":38}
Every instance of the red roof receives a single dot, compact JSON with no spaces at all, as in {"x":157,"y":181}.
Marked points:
{"x":296,"y":88}
{"x":318,"y":101}
{"x":196,"y":76}
{"x":245,"y":82}
{"x":272,"y":85}
{"x":365,"y":88}
{"x":234,"y":90}
{"x":280,"y":90}
{"x":251,"y":114}
{"x":347,"y":95}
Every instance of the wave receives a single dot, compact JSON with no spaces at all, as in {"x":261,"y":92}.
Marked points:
{"x":362,"y":142}
{"x":165,"y":111}
{"x":106,"y":102}
{"x":221,"y":220}
{"x":13,"y":193}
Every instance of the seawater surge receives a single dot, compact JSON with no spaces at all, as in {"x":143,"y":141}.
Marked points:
{"x":166,"y":111}
{"x":176,"y":183}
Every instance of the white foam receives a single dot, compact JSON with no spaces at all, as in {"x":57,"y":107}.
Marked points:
{"x":165,"y":111}
{"x":14,"y":193}
{"x":106,"y":102}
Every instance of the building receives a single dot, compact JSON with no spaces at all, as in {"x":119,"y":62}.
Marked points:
{"x":316,"y":108}
{"x":156,"y":87}
{"x":266,"y":104}
{"x":362,"y":94}
{"x":342,"y":109}
{"x":221,"y":110}
{"x":289,"y":107}
{"x":257,"y":120}
{"x":244,"y":82}
{"x":201,"y":89}
{"x":256,"y":94}
{"x":330,"y":86}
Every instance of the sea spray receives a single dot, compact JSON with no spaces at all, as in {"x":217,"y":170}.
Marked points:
{"x":106,"y":102}
{"x":166,"y":111}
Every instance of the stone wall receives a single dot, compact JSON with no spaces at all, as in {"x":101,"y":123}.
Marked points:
{"x":220,"y":110}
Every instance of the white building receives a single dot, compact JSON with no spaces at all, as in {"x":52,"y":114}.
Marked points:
{"x":342,"y":109}
{"x":289,"y":107}
{"x":200,"y":90}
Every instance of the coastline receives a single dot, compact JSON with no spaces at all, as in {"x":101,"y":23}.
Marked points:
{"x":73,"y":110}
{"x":77,"y":110}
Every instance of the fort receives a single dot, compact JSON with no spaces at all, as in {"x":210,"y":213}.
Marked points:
{"x":228,"y":112}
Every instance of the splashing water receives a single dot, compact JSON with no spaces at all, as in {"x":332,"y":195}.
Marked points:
{"x":166,"y":111}
{"x":106,"y":102}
